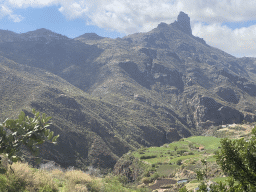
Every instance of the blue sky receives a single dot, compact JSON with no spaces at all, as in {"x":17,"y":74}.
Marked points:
{"x":51,"y":18}
{"x":229,"y":25}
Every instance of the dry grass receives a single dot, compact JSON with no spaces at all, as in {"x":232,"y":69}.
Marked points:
{"x":34,"y":179}
{"x":26,"y":178}
{"x":78,"y":177}
{"x":45,"y":180}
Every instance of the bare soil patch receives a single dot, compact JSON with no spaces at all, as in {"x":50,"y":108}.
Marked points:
{"x":161,"y":182}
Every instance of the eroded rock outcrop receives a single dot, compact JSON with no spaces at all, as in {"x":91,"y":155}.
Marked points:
{"x":208,"y":110}
{"x":183,"y":23}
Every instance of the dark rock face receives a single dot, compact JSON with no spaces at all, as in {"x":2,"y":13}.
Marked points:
{"x":149,"y":52}
{"x":228,"y":95}
{"x":229,"y":115}
{"x":128,"y":166}
{"x":68,"y":102}
{"x":208,"y":110}
{"x":172,"y":135}
{"x":183,"y":22}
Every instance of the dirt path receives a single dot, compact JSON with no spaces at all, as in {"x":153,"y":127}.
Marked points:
{"x":161,"y":182}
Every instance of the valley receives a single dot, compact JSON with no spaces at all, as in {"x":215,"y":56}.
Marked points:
{"x":158,"y":101}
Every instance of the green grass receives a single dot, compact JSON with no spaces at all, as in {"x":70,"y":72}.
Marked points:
{"x":165,"y":158}
{"x":207,"y":142}
{"x":167,"y":153}
{"x":222,"y":179}
{"x":166,"y":169}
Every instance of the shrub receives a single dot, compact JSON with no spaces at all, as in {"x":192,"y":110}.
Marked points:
{"x":146,"y":174}
{"x":191,"y":146}
{"x":148,"y":156}
{"x":179,"y":162}
{"x":93,"y":186}
{"x":3,"y":182}
{"x":122,"y":179}
{"x":146,"y":180}
{"x":181,"y":152}
{"x":155,"y":176}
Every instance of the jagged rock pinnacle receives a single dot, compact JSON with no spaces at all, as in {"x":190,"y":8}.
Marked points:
{"x":183,"y":22}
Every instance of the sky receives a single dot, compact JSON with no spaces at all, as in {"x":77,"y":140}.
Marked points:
{"x":229,"y":25}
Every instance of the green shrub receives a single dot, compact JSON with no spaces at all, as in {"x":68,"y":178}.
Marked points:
{"x":148,"y":156}
{"x":122,"y":179}
{"x":179,"y":162}
{"x":93,"y":186}
{"x":13,"y":183}
{"x":47,"y":188}
{"x":146,"y":174}
{"x":146,"y":180}
{"x":191,"y":146}
{"x":3,"y":182}
{"x":155,"y":176}
{"x":181,"y":152}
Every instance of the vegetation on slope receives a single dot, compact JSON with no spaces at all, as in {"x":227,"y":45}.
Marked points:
{"x":183,"y":159}
{"x":92,"y":130}
{"x":180,"y":165}
{"x":22,"y":177}
{"x":31,"y":132}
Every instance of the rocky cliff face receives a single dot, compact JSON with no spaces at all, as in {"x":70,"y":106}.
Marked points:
{"x":121,"y":94}
{"x":183,"y":23}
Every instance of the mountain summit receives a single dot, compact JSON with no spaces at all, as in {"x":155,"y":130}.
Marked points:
{"x":183,"y":23}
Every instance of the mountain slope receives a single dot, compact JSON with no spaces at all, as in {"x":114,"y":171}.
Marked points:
{"x":91,"y":131}
{"x":172,"y":68}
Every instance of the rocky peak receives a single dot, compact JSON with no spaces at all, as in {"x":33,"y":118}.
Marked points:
{"x":183,"y":23}
{"x":91,"y":36}
{"x":38,"y":34}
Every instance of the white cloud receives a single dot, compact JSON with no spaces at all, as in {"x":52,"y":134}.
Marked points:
{"x":129,"y":16}
{"x":239,"y":42}
{"x":31,"y":3}
{"x":73,"y":11}
{"x":5,"y":11}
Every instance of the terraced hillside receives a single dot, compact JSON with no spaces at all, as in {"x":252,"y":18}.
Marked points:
{"x":176,"y":164}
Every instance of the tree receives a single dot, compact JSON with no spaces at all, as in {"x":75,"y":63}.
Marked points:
{"x":237,"y":158}
{"x":26,"y":131}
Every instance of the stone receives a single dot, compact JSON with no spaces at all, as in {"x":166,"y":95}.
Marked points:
{"x":183,"y":22}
